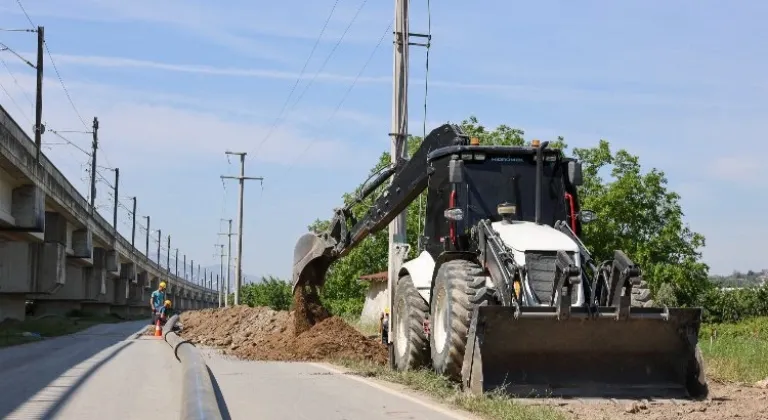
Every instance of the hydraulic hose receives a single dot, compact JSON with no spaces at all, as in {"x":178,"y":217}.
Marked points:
{"x":197,"y":393}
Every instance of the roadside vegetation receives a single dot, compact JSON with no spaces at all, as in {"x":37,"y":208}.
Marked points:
{"x":736,"y":352}
{"x":14,"y":332}
{"x":492,"y":406}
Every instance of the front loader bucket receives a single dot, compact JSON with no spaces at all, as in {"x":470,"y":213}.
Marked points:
{"x":652,"y":354}
{"x":311,"y":259}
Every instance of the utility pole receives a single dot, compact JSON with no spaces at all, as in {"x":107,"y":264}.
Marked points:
{"x":159,"y":240}
{"x":192,"y":270}
{"x":94,"y":148}
{"x":133,"y":230}
{"x":146,"y":252}
{"x":168,"y":260}
{"x":185,"y":266}
{"x":177,"y":262}
{"x":205,"y":278}
{"x":117,"y":200}
{"x":221,"y":270}
{"x":200,"y":279}
{"x":241,"y":178}
{"x":229,"y":261}
{"x":39,"y":129}
{"x":399,"y":134}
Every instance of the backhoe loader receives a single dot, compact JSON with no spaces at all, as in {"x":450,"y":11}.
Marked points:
{"x":503,"y":294}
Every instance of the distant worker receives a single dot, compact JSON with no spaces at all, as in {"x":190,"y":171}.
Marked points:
{"x":156,"y":301}
{"x":165,"y":312}
{"x":384,"y":326}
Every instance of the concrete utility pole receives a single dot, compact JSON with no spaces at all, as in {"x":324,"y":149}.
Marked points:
{"x":39,"y":128}
{"x":133,"y":230}
{"x":159,"y":241}
{"x":192,"y":270}
{"x":117,"y":200}
{"x":185,"y":266}
{"x":241,"y":178}
{"x":168,"y":260}
{"x":94,"y":148}
{"x":200,"y":279}
{"x":399,"y":134}
{"x":229,"y":261}
{"x":177,"y":262}
{"x":221,"y":271}
{"x":146,"y":252}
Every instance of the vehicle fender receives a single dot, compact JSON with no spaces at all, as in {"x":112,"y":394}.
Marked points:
{"x":421,"y":270}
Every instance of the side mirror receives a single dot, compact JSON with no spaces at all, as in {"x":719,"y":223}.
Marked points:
{"x":574,"y":173}
{"x":587,"y":216}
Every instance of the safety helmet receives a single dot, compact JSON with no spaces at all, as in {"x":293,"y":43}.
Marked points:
{"x":168,"y":303}
{"x":162,"y":285}
{"x":386,"y":310}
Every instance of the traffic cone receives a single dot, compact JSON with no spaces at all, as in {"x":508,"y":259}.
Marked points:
{"x":158,"y":330}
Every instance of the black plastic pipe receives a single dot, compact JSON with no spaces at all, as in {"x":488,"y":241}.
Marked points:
{"x":198,"y":398}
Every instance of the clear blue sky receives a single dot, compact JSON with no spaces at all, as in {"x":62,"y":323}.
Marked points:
{"x":175,"y":83}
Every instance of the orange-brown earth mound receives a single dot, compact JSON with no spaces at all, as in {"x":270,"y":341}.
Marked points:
{"x":265,"y":334}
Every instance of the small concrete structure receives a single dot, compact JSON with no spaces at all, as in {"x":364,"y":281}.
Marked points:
{"x":375,"y":297}
{"x":55,"y":250}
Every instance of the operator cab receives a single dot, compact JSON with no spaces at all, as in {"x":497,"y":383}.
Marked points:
{"x":469,"y":183}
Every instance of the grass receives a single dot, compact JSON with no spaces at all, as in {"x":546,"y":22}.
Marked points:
{"x":365,"y":328}
{"x":490,"y":406}
{"x":52,"y":326}
{"x":736,"y":352}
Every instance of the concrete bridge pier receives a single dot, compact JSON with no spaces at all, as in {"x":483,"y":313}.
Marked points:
{"x":22,"y":223}
{"x":77,"y":246}
{"x":96,"y":285}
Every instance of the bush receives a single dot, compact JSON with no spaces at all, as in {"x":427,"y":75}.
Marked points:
{"x":734,"y":305}
{"x":272,"y":292}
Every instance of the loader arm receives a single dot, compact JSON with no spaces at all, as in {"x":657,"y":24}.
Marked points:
{"x":314,"y":253}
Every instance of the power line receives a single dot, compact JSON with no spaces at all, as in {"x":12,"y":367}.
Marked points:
{"x":56,"y":70}
{"x":346,"y":94}
{"x":4,"y":47}
{"x":23,"y":114}
{"x":290,"y":94}
{"x":57,"y":134}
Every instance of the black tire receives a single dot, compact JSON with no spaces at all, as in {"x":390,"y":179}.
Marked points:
{"x":697,"y":380}
{"x":410,"y":344}
{"x":459,"y":287}
{"x":641,"y":295}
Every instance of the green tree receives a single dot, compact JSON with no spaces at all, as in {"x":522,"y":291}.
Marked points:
{"x":636,"y":213}
{"x":271,"y":291}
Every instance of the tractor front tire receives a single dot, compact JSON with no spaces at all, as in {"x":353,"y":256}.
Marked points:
{"x":457,"y":284}
{"x":411,"y":348}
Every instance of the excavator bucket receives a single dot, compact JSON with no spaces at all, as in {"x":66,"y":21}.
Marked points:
{"x":653,"y":353}
{"x":311,"y":259}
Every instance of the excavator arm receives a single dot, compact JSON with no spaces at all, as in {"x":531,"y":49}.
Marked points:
{"x":315,"y":252}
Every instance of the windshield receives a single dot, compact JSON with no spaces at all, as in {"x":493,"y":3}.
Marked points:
{"x":512,"y":179}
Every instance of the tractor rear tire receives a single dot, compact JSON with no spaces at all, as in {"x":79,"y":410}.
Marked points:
{"x":454,"y":296}
{"x":411,"y":347}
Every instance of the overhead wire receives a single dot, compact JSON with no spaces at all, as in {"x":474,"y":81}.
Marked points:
{"x":303,"y":69}
{"x":345,"y":96}
{"x":422,"y":215}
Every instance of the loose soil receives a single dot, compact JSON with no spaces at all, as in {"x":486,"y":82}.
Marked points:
{"x":726,"y":401}
{"x":265,"y":334}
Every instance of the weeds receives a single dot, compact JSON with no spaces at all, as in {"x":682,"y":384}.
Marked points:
{"x":490,"y":406}
{"x":736,"y":352}
{"x":12,"y":331}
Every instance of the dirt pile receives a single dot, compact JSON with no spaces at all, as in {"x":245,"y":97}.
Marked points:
{"x":308,"y":309}
{"x":265,"y":334}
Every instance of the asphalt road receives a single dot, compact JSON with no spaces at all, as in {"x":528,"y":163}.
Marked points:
{"x":106,"y":372}
{"x":99,"y":373}
{"x":298,"y":391}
